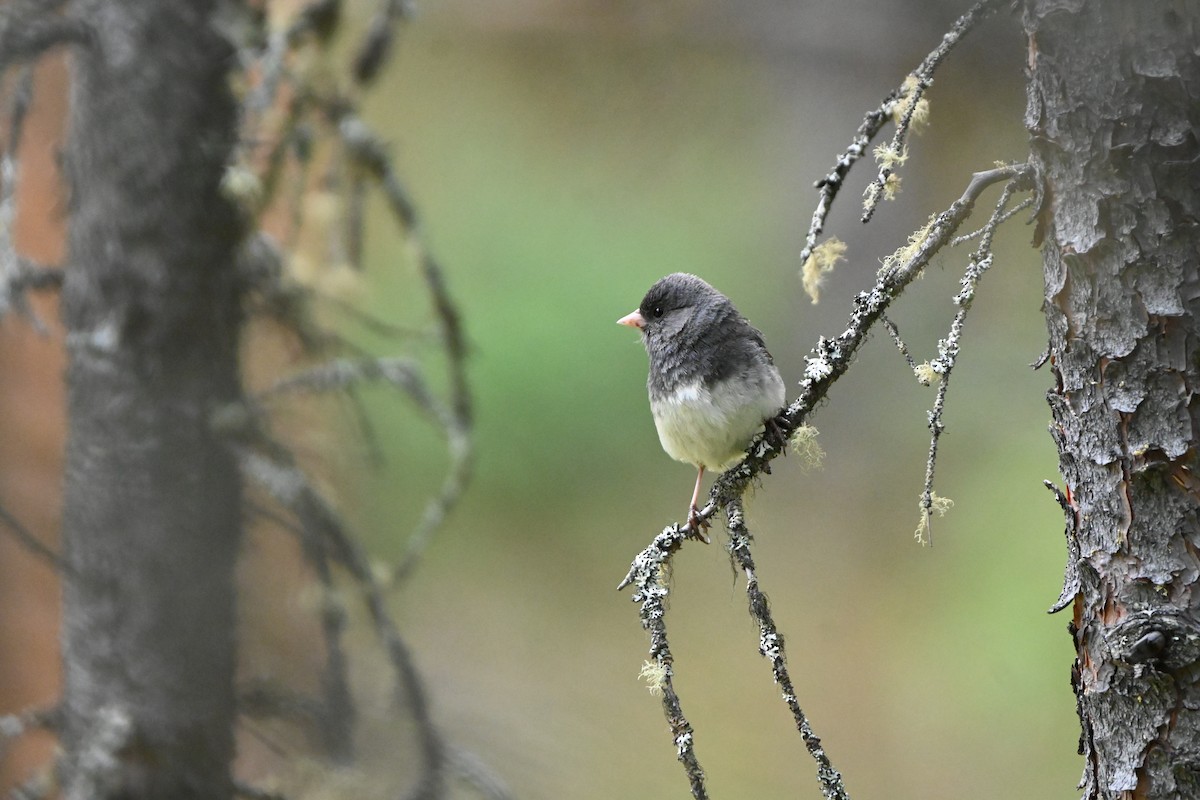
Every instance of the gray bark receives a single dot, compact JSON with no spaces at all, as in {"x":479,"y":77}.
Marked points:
{"x":1114,"y":118}
{"x":151,"y":517}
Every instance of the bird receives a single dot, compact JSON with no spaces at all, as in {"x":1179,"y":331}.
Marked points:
{"x":712,"y":383}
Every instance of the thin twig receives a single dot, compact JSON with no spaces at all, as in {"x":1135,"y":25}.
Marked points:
{"x":34,"y":545}
{"x":1005,"y":217}
{"x":376,"y":44}
{"x":27,"y":30}
{"x":285,"y":482}
{"x":894,"y":332}
{"x":371,"y":156}
{"x":829,"y":186}
{"x":771,"y":646}
{"x":339,"y":374}
{"x":948,"y":348}
{"x":920,"y":80}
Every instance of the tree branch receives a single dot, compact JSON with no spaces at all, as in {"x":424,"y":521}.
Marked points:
{"x":27,"y":30}
{"x":33,"y":544}
{"x":948,"y":347}
{"x":832,"y":357}
{"x":911,"y":93}
{"x":288,"y":485}
{"x":829,"y":186}
{"x":770,"y":645}
{"x":651,"y":573}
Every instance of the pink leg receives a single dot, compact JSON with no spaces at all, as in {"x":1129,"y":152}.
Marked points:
{"x":693,"y":513}
{"x":696,"y":492}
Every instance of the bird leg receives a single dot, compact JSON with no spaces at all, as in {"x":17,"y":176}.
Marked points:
{"x":696,"y":525}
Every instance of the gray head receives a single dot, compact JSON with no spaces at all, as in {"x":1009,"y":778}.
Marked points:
{"x":692,"y":331}
{"x":678,"y":309}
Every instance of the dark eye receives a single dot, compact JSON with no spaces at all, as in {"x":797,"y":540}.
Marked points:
{"x":657,"y":311}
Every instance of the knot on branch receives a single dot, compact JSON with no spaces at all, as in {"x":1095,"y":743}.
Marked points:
{"x":1155,"y":637}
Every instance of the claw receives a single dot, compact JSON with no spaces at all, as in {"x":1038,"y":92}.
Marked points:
{"x":779,"y":428}
{"x":697,"y":526}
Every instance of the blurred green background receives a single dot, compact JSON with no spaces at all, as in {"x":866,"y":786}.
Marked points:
{"x":564,"y":155}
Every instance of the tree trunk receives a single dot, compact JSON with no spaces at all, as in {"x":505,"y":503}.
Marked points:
{"x":151,"y":518}
{"x":1113,"y":115}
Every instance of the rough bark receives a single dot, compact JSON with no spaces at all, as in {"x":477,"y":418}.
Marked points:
{"x":1114,"y":117}
{"x":152,"y":498}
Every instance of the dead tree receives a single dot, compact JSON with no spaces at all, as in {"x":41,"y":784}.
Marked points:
{"x":185,"y":119}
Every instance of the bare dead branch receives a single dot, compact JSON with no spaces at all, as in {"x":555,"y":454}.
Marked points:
{"x":289,"y":486}
{"x":948,"y":348}
{"x":894,"y":332}
{"x":1005,"y":217}
{"x":829,"y":186}
{"x":376,"y":44}
{"x":27,"y":30}
{"x":1071,"y":578}
{"x":911,"y":92}
{"x":33,"y":544}
{"x":270,"y":293}
{"x":340,"y":374}
{"x":371,"y":156}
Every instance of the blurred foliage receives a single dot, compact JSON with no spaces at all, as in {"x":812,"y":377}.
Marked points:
{"x":560,"y":172}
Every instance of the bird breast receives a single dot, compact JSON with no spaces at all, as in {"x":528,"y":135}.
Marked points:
{"x":711,"y":426}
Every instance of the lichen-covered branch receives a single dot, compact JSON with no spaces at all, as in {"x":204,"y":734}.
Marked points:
{"x":649,"y":575}
{"x":907,"y":100}
{"x":771,"y":646}
{"x":831,"y":357}
{"x":829,"y":186}
{"x":948,"y":348}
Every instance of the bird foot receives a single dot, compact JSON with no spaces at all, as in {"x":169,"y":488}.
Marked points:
{"x":779,"y":428}
{"x":697,"y":526}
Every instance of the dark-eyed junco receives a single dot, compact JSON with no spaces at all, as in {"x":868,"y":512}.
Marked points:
{"x":712,"y":382}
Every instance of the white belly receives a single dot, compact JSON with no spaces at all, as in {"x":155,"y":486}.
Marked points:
{"x":711,"y":427}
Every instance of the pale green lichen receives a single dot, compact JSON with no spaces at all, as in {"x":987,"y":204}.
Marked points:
{"x":920,"y":113}
{"x":820,"y":263}
{"x":803,"y":443}
{"x":925,"y":373}
{"x":655,"y":676}
{"x":936,"y":505}
{"x":909,"y":249}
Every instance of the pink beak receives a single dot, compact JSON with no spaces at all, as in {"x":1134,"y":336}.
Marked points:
{"x":634,"y":320}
